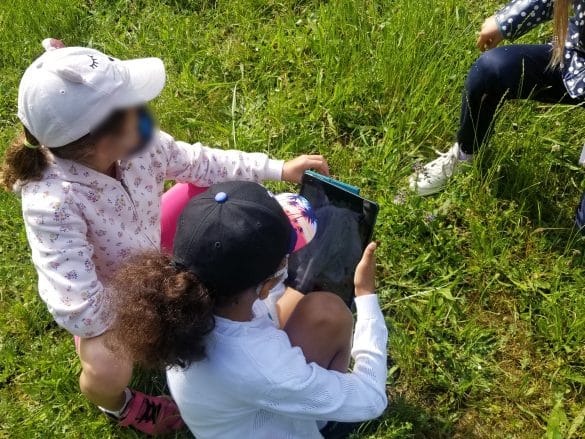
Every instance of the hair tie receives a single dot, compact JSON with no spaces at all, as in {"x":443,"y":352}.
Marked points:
{"x":30,"y":145}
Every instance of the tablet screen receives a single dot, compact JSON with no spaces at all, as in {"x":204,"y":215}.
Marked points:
{"x":345,"y":224}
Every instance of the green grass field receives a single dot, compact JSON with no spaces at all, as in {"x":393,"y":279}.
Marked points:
{"x":482,"y":285}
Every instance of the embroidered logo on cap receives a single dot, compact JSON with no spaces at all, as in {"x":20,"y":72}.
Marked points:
{"x":94,"y":62}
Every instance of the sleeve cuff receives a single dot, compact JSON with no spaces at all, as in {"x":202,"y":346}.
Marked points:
{"x":367,"y":306}
{"x":506,"y":34}
{"x":274,"y":170}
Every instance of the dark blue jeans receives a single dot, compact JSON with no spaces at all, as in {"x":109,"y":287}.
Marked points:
{"x":518,"y":71}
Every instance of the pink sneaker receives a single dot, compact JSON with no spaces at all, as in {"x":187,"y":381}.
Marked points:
{"x":152,"y":415}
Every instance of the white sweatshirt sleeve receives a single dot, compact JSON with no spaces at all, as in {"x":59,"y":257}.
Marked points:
{"x":308,"y":391}
{"x":204,"y":166}
{"x":62,"y":256}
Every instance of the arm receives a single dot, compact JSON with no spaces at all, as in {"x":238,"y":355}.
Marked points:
{"x":573,"y":64}
{"x":519,"y":16}
{"x":307,"y":391}
{"x":62,"y":256}
{"x":205,"y":166}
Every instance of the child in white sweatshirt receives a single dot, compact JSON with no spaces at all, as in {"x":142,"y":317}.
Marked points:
{"x":91,"y":168}
{"x":236,"y":369}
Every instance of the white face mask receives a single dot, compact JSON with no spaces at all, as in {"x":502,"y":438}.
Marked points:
{"x":281,"y":275}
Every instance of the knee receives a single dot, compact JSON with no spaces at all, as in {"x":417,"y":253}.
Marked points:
{"x":99,"y":378}
{"x":102,"y":369}
{"x":328,"y":311}
{"x":489,"y":69}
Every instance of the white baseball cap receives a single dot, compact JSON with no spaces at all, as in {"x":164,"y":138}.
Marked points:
{"x":68,"y":92}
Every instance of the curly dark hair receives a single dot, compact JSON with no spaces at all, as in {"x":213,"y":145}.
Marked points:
{"x":162,"y":314}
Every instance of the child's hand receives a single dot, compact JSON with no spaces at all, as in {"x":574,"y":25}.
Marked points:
{"x":365,"y":272}
{"x":294,"y":169}
{"x":490,"y":35}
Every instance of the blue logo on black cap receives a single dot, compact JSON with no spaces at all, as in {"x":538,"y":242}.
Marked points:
{"x":221,"y":197}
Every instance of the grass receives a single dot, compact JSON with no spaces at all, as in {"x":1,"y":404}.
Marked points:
{"x":482,"y":285}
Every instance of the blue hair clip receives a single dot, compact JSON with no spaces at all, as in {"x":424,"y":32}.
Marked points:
{"x":145,"y":125}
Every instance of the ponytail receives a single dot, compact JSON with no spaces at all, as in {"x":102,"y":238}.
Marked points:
{"x":25,"y":160}
{"x":161,"y":313}
{"x":560,"y":25}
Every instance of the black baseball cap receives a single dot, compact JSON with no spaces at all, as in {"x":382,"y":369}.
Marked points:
{"x":232,"y":237}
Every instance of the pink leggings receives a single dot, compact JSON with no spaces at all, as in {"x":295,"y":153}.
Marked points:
{"x":172,"y":203}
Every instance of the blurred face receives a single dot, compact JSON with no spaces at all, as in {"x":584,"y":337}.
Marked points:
{"x":122,"y":144}
{"x":126,"y":141}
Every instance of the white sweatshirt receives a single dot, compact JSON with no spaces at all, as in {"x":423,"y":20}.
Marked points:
{"x":82,"y":224}
{"x":254,"y":384}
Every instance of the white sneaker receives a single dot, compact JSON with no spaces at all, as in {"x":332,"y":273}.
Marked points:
{"x":582,"y":158}
{"x":433,"y":176}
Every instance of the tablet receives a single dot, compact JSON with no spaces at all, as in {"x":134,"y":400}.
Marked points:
{"x":345,"y":225}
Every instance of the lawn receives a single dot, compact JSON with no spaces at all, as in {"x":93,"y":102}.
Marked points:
{"x":481,"y":285}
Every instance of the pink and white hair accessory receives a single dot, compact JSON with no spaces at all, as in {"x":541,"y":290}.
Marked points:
{"x":52,"y":44}
{"x":301,"y":216}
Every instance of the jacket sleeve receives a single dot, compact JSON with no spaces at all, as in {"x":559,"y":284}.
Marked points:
{"x":519,"y":16}
{"x":204,"y":166}
{"x":62,"y":256}
{"x":308,"y":391}
{"x":573,"y":63}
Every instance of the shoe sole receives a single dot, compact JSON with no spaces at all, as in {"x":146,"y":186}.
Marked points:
{"x":425,"y":192}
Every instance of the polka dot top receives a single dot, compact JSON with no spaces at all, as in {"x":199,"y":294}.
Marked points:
{"x":520,"y":16}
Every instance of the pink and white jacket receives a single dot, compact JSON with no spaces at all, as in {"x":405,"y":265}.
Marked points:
{"x":82,"y":224}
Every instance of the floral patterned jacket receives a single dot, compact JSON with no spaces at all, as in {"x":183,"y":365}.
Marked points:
{"x":519,"y":16}
{"x":82,"y":224}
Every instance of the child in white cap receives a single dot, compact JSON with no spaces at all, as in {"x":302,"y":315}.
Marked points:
{"x":91,"y":168}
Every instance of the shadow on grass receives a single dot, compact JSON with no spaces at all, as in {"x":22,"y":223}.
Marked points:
{"x":548,"y":198}
{"x":406,"y":419}
{"x":403,"y":418}
{"x":190,"y":6}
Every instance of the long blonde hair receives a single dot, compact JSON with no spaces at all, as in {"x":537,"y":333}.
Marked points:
{"x":561,"y":24}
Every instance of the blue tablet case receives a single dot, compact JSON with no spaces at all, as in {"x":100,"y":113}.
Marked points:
{"x":348,"y":187}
